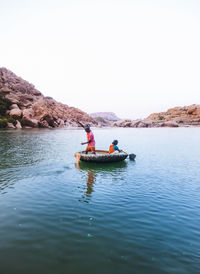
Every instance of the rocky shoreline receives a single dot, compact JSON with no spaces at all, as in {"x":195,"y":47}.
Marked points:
{"x":174,"y":117}
{"x":23,"y":106}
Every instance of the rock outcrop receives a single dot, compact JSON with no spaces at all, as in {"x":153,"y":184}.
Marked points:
{"x":22,"y":105}
{"x":174,"y":117}
{"x":32,"y":109}
{"x":187,"y":115}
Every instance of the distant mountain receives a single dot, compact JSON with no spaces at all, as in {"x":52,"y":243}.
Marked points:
{"x":110,"y":116}
{"x":22,"y":105}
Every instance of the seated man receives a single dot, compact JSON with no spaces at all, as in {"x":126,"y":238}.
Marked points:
{"x":114,"y":148}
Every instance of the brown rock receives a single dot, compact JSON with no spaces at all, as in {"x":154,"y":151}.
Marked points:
{"x":5,"y":90}
{"x":191,"y":109}
{"x":15,"y":113}
{"x":27,"y":113}
{"x":187,"y":115}
{"x":12,"y":98}
{"x":142,"y":124}
{"x":37,"y":93}
{"x":18,"y":125}
{"x":14,"y":106}
{"x":30,"y":122}
{"x":36,"y":108}
{"x":43,"y":124}
{"x":10,"y":125}
{"x":46,"y":112}
{"x":50,"y":120}
{"x":169,"y":124}
{"x":127,"y":124}
{"x":122,"y":123}
{"x":135,"y":123}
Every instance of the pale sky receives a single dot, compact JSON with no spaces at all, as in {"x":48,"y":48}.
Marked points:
{"x":129,"y":57}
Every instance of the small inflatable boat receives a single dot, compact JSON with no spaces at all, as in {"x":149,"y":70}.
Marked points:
{"x":101,"y":156}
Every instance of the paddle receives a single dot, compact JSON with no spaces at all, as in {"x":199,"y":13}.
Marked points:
{"x":132,"y":156}
{"x":80,"y":123}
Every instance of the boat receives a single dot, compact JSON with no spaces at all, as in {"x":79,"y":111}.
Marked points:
{"x":101,"y":156}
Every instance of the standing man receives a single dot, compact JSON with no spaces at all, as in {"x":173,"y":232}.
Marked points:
{"x":90,"y":139}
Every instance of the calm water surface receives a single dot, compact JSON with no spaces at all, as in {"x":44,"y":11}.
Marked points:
{"x":138,"y":216}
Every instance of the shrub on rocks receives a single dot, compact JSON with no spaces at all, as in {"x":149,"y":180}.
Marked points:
{"x":6,"y":120}
{"x":4,"y":105}
{"x":3,"y":123}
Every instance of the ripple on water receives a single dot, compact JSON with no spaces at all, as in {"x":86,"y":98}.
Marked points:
{"x":142,"y":216}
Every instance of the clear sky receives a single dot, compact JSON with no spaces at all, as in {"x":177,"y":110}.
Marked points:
{"x":129,"y":57}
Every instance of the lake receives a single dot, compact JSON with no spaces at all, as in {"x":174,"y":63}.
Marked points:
{"x":139,"y":216}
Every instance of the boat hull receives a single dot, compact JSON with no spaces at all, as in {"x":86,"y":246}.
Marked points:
{"x":101,"y":156}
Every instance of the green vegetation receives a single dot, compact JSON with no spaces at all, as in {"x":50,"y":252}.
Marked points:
{"x":4,"y":105}
{"x":22,"y":122}
{"x":3,"y":123}
{"x":160,"y":117}
{"x":4,"y":119}
{"x":11,"y":120}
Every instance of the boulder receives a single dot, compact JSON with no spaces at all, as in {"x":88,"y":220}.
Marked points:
{"x":52,"y":121}
{"x":169,"y":124}
{"x":27,"y":113}
{"x":28,"y":118}
{"x":30,"y":122}
{"x":122,"y":123}
{"x":5,"y":90}
{"x":10,"y":125}
{"x":15,"y":113}
{"x":127,"y":124}
{"x":141,"y":124}
{"x":43,"y":124}
{"x":24,"y":103}
{"x":14,"y":106}
{"x":135,"y":123}
{"x":191,"y":109}
{"x":18,"y":125}
{"x":37,"y":93}
{"x":13,"y":98}
{"x":61,"y":122}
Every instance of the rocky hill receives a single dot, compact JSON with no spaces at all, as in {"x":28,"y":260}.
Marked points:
{"x":187,"y":115}
{"x":110,"y":116}
{"x":173,"y":117}
{"x":22,"y":105}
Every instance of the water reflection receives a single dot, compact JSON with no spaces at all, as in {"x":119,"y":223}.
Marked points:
{"x":90,"y":179}
{"x":101,"y":170}
{"x":90,"y":182}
